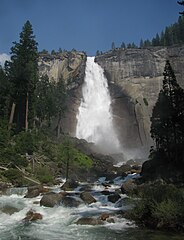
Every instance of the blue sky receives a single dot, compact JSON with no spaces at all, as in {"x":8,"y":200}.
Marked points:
{"x":87,"y":25}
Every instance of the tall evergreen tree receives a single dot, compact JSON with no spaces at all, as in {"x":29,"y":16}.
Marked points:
{"x":4,"y":94}
{"x":167,"y":121}
{"x":22,"y":71}
{"x":113,"y":46}
{"x":181,"y":3}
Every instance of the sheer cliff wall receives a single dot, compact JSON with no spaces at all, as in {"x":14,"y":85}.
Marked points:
{"x":135,"y":79}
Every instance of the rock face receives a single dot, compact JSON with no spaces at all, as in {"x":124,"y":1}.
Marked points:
{"x":135,"y":79}
{"x":70,"y":67}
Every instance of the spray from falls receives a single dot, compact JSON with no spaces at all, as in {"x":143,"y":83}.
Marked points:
{"x":94,"y":119}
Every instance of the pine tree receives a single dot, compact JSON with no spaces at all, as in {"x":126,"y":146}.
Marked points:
{"x":113,"y":46}
{"x":181,"y":3}
{"x":22,"y":71}
{"x":167,"y":121}
{"x":4,"y":94}
{"x":123,"y":45}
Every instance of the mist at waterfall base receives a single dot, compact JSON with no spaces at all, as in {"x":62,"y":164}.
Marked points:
{"x":95,"y":118}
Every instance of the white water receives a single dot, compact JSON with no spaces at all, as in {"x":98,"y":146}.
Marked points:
{"x":58,"y":223}
{"x":94,"y":120}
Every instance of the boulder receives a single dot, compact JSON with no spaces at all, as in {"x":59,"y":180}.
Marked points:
{"x":70,"y":202}
{"x":9,"y":209}
{"x":114,"y":197}
{"x":34,"y":191}
{"x":70,"y":185}
{"x":87,"y":197}
{"x":106,"y":192}
{"x":128,"y":186}
{"x":51,"y":199}
{"x":104,"y":216}
{"x":89,"y":221}
{"x":32,"y":216}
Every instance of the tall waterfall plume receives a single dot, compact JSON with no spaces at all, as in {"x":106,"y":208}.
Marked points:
{"x":94,"y":119}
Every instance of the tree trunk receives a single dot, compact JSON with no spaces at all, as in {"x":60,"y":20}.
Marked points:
{"x":12,"y":115}
{"x":26,"y":118}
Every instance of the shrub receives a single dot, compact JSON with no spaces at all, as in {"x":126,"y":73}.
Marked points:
{"x":160,"y":207}
{"x":14,"y":176}
{"x":43,"y":175}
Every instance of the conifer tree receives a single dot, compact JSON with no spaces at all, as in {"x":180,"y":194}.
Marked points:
{"x":167,"y":121}
{"x":22,"y":71}
{"x":181,"y":3}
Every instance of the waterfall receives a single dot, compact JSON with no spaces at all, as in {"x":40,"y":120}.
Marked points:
{"x":94,"y":119}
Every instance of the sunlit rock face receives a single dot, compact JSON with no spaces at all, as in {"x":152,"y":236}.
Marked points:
{"x":135,"y":79}
{"x":70,"y":67}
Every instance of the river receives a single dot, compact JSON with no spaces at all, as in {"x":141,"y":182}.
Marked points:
{"x":59,"y":223}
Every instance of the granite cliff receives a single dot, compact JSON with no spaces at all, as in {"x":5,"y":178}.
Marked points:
{"x":70,"y":67}
{"x":135,"y":79}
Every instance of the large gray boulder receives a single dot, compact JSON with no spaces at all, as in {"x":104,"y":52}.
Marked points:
{"x":51,"y":199}
{"x":87,"y":197}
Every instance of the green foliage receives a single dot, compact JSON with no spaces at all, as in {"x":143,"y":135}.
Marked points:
{"x":25,"y":142}
{"x":72,"y":158}
{"x":174,"y":34}
{"x":50,"y":100}
{"x":167,"y":121}
{"x":4,"y":94}
{"x":66,"y":152}
{"x":14,"y":176}
{"x":4,"y":134}
{"x":161,"y":206}
{"x":44,"y":175}
{"x":22,"y":72}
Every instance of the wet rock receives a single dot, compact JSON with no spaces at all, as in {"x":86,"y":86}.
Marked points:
{"x":106,"y":185}
{"x":51,"y":199}
{"x":32,"y":216}
{"x":4,"y":186}
{"x":9,"y":209}
{"x":70,"y":185}
{"x":127,"y":203}
{"x":34,"y":191}
{"x":70,"y":202}
{"x":104,"y":216}
{"x":131,"y":162}
{"x":87,"y":197}
{"x":86,"y":187}
{"x":114,"y":197}
{"x":89,"y":221}
{"x":128,"y":187}
{"x":110,"y":220}
{"x":106,"y":192}
{"x":124,"y":168}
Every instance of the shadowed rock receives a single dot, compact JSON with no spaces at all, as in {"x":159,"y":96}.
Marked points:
{"x":87,"y":197}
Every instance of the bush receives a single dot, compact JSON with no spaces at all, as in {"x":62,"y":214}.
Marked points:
{"x":160,"y":207}
{"x":26,"y":142}
{"x":14,"y":176}
{"x":43,"y":175}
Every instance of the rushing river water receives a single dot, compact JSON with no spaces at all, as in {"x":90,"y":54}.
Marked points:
{"x":58,"y":223}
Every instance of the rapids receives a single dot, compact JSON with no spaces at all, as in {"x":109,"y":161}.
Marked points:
{"x":58,"y":223}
